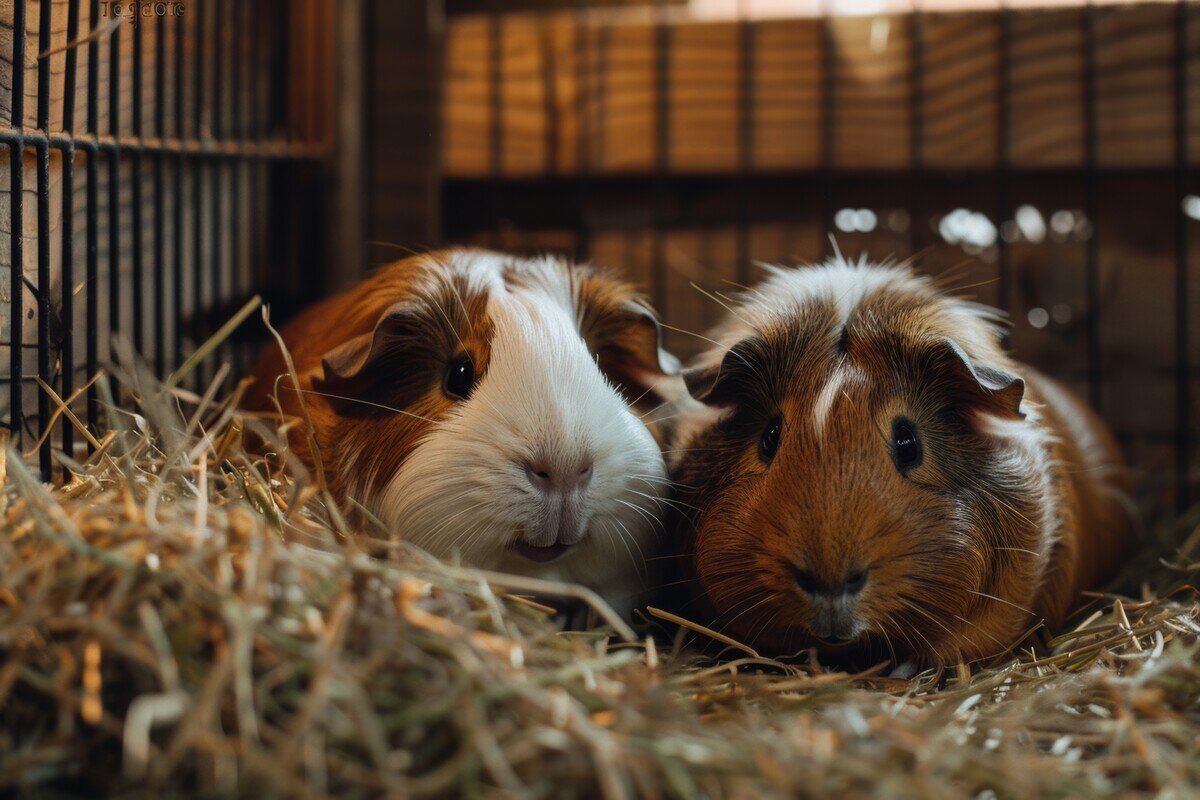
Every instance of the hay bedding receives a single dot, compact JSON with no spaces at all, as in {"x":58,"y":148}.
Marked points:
{"x":179,"y":619}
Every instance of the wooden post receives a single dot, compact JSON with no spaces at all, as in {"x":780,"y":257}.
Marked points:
{"x":402,"y":176}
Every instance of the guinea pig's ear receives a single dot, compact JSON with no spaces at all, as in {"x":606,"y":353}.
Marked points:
{"x":701,"y":379}
{"x":644,"y":340}
{"x":354,"y":366}
{"x":996,"y":390}
{"x":735,"y":379}
{"x":629,"y":347}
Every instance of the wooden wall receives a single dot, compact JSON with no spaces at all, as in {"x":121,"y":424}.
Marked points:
{"x":560,"y":73}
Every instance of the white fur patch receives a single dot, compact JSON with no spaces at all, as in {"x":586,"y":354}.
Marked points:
{"x":464,"y":491}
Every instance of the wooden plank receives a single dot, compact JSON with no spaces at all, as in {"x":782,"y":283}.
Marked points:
{"x":625,"y":111}
{"x":787,"y":112}
{"x":872,"y":95}
{"x":960,"y":89}
{"x":705,"y":86}
{"x":1048,"y":118}
{"x":875,"y":61}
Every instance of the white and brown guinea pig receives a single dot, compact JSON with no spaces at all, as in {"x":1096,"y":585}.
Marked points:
{"x":490,"y":408}
{"x":871,"y":475}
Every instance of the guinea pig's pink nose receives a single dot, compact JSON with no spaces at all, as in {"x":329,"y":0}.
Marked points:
{"x":549,"y":477}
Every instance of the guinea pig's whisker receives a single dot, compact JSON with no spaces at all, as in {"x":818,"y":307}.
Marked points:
{"x":463,"y":305}
{"x":669,"y":556}
{"x":766,"y":624}
{"x":670,"y":584}
{"x":649,"y":517}
{"x":728,"y":305}
{"x":466,"y":540}
{"x":690,"y":333}
{"x":922,"y":614}
{"x":909,"y":642}
{"x":668,"y":501}
{"x":1002,"y":600}
{"x":1008,"y":506}
{"x":926,"y":615}
{"x":625,"y":538}
{"x":1019,"y":550}
{"x":747,"y":610}
{"x":650,"y":411}
{"x":445,"y":523}
{"x":363,"y":402}
{"x":453,"y":328}
{"x":654,"y":480}
{"x":652,"y":498}
{"x":693,"y":450}
{"x":966,"y":621}
{"x":744,"y":288}
{"x":887,"y":640}
{"x":639,"y":398}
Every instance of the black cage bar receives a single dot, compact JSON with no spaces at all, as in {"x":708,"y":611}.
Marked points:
{"x":188,"y":227}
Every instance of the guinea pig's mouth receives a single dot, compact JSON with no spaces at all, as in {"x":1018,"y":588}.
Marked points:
{"x":540,"y":554}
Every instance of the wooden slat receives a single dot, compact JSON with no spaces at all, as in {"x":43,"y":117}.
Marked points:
{"x":873,"y":92}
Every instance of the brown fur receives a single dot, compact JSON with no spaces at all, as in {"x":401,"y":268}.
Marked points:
{"x":962,"y":556}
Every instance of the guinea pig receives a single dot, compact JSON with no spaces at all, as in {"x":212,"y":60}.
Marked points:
{"x":868,"y":473}
{"x":489,"y":408}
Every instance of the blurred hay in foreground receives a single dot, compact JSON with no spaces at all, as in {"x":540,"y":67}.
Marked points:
{"x":179,"y":620}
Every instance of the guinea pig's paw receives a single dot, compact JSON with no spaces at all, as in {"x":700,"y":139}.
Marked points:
{"x":903,"y":671}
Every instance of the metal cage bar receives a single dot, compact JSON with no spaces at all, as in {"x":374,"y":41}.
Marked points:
{"x":1183,"y":371}
{"x":829,"y":110}
{"x":43,"y":247}
{"x":747,"y":67}
{"x":135,"y":161}
{"x":160,"y":169}
{"x":92,"y":284}
{"x":1092,"y":204}
{"x":68,"y":226}
{"x":916,"y":128}
{"x":140,"y":156}
{"x":662,"y":155}
{"x":1004,"y":210}
{"x":16,"y":286}
{"x":583,"y":103}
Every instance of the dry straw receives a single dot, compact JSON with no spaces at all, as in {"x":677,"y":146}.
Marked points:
{"x":184,"y":617}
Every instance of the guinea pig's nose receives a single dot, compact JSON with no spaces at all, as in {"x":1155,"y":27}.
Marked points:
{"x":548,"y":477}
{"x":850,"y":585}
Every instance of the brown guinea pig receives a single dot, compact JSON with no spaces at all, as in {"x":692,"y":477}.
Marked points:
{"x":868,"y":473}
{"x":489,"y":408}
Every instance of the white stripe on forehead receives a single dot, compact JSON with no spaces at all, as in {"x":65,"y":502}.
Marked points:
{"x":827,"y":397}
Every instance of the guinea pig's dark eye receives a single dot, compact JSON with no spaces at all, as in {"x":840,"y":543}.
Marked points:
{"x":769,"y":442}
{"x":460,"y":378}
{"x":906,"y":446}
